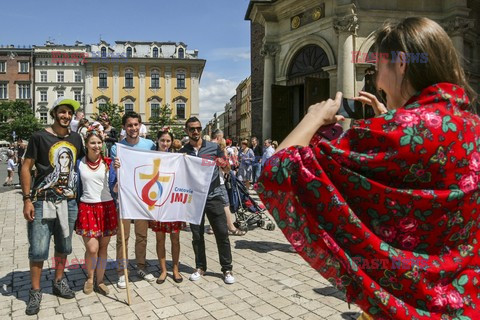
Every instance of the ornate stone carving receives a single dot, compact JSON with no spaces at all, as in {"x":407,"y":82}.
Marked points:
{"x":270,"y":49}
{"x":458,"y":24}
{"x":141,"y":75}
{"x":347,"y":23}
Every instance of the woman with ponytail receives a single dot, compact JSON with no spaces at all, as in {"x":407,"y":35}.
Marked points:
{"x":97,"y":214}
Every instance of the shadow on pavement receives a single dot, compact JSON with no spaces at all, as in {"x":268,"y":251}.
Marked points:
{"x":264,"y":246}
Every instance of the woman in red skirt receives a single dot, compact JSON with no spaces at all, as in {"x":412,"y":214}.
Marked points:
{"x":164,"y":143}
{"x":97,"y":214}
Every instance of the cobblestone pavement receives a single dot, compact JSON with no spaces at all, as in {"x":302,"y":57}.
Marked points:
{"x":272,"y":282}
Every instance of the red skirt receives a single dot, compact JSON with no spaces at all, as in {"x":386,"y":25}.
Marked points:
{"x":97,"y":220}
{"x":167,"y":227}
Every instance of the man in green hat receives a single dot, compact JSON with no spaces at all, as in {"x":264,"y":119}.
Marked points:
{"x":51,"y":208}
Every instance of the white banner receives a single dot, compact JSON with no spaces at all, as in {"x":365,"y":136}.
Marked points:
{"x":162,"y":186}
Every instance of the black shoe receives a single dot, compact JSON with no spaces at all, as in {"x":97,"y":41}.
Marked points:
{"x":62,"y":289}
{"x":34,"y":299}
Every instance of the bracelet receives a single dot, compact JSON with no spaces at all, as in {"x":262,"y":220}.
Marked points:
{"x":27,"y":197}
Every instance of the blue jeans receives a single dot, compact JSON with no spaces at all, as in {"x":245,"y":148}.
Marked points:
{"x":40,"y":232}
{"x":256,"y":168}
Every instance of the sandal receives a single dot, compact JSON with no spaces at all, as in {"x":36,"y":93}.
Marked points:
{"x":237,"y":232}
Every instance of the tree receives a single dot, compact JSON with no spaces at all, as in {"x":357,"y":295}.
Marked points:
{"x":17,"y":116}
{"x":114,"y":113}
{"x":163,"y":118}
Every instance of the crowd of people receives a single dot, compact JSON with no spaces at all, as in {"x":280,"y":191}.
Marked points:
{"x":75,"y":190}
{"x":404,"y":184}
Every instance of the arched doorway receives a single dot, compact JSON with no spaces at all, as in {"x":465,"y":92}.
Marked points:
{"x":307,"y":84}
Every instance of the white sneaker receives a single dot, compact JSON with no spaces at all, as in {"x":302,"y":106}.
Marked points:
{"x":145,"y":276}
{"x":121,"y":283}
{"x":228,"y":277}
{"x":197,"y":275}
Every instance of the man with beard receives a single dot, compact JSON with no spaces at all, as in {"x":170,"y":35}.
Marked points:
{"x":132,"y":122}
{"x":213,"y":207}
{"x":51,"y":208}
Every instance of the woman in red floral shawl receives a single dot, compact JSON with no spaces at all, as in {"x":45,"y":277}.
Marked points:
{"x":388,"y":212}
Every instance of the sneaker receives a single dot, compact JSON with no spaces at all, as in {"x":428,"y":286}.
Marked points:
{"x":145,"y":276}
{"x":228,"y":277}
{"x":197,"y":275}
{"x":121,"y":283}
{"x":61,"y":289}
{"x":34,"y":299}
{"x":102,"y":289}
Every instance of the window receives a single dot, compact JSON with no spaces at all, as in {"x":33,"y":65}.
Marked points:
{"x":102,"y":106}
{"x":181,"y":110}
{"x":154,"y":109}
{"x":181,"y":81}
{"x":43,"y":76}
{"x":3,"y":66}
{"x":102,"y":80}
{"x":129,"y":52}
{"x":23,"y":66}
{"x":128,"y":78}
{"x":24,"y":91}
{"x":3,"y":91}
{"x":155,"y":52}
{"x":60,"y":94}
{"x":128,"y":107}
{"x":78,"y":76}
{"x":43,"y":117}
{"x":155,"y":77}
{"x":104,"y":52}
{"x":77,"y":96}
{"x":60,"y":76}
{"x":43,"y":96}
{"x":181,"y":53}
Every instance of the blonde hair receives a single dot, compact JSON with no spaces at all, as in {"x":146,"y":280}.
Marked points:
{"x":421,"y":35}
{"x":222,"y":144}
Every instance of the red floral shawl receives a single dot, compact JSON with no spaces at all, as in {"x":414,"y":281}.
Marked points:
{"x":388,"y":212}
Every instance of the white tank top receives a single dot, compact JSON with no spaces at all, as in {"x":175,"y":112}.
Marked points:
{"x":94,"y":183}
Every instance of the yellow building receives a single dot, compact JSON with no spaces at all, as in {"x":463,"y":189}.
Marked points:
{"x":142,"y":76}
{"x":244,"y":109}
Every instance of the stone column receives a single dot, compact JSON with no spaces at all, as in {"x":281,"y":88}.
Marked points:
{"x":168,"y":86}
{"x":269,"y":50}
{"x":194,"y":94}
{"x":346,"y":28}
{"x":89,"y":90}
{"x":141,"y":96}
{"x":456,"y":27}
{"x":116,"y":84}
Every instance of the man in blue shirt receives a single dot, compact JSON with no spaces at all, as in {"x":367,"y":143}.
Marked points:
{"x":131,"y":122}
{"x":213,"y":207}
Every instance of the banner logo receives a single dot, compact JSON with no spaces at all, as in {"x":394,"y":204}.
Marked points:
{"x":152,"y":186}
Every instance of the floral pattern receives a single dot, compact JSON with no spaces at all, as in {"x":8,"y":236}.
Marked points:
{"x":401,"y":187}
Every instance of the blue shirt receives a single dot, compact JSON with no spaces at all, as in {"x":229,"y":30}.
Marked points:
{"x":143,"y":144}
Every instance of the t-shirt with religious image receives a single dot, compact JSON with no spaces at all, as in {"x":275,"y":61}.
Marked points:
{"x":55,"y":159}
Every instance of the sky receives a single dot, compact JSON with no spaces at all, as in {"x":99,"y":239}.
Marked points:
{"x":216,"y":28}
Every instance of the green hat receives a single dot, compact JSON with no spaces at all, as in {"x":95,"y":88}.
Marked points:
{"x":62,"y":101}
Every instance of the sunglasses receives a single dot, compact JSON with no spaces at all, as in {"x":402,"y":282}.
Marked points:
{"x":193,"y":129}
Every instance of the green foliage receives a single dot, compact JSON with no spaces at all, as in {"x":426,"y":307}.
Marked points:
{"x":164,"y":118}
{"x":19,"y":117}
{"x":114,"y":113}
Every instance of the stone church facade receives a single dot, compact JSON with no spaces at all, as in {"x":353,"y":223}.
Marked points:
{"x":302,"y":50}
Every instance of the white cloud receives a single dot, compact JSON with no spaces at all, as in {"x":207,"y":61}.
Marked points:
{"x":214,"y":94}
{"x":236,"y":54}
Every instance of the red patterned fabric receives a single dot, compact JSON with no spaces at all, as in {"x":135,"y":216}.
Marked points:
{"x":97,"y":219}
{"x":388,"y":212}
{"x":167,"y":227}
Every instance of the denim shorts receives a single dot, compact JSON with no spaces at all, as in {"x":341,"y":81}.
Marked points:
{"x":40,"y":232}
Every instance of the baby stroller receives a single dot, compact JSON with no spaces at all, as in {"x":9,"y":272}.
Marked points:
{"x":247,"y":211}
